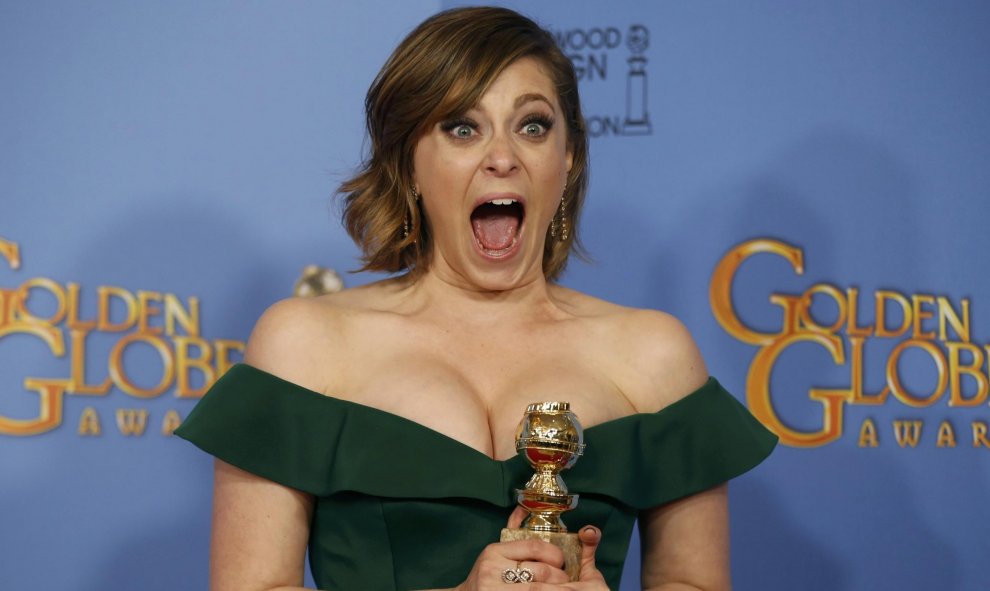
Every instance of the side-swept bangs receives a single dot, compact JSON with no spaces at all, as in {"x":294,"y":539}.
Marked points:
{"x":442,"y":69}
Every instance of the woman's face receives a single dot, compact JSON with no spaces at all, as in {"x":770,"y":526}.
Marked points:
{"x":491,"y":180}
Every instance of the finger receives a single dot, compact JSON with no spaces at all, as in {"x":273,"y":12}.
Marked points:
{"x":544,"y":573}
{"x":530,"y":550}
{"x":590,"y":537}
{"x":516,"y":519}
{"x":545,"y":587}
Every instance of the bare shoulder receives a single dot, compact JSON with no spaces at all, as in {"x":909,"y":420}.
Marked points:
{"x":289,"y":337}
{"x":665,"y":359}
{"x":308,"y":340}
{"x":653,"y":357}
{"x":301,"y":339}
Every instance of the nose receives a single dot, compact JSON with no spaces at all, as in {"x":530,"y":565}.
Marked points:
{"x":501,"y":158}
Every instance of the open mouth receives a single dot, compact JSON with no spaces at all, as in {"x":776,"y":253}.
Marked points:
{"x":496,"y":225}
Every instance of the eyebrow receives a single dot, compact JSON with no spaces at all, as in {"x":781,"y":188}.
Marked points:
{"x":530,"y":97}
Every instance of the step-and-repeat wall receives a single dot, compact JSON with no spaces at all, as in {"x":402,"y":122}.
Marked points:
{"x":807,"y":186}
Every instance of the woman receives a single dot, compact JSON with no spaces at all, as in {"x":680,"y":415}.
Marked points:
{"x":377,"y":424}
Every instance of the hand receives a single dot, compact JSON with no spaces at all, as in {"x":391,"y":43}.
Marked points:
{"x":591,"y":578}
{"x":542,"y":558}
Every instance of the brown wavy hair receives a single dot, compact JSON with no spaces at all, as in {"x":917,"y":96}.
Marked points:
{"x":441,"y":69}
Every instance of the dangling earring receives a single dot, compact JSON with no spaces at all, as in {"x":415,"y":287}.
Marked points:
{"x":564,"y":231}
{"x":407,"y":223}
{"x":559,"y":227}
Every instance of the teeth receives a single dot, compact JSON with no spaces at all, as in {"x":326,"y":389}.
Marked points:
{"x":502,"y":201}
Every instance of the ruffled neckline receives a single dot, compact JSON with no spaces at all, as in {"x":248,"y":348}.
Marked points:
{"x":326,"y":445}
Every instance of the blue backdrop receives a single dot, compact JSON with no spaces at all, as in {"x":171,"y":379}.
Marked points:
{"x":805,"y":185}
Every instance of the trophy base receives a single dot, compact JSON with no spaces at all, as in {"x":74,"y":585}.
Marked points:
{"x":568,"y":542}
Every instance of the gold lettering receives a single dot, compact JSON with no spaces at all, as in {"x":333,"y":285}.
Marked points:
{"x":77,"y":384}
{"x":7,"y":299}
{"x":119,"y":376}
{"x":188,"y":319}
{"x":132,"y":421}
{"x":11,"y":252}
{"x":104,"y":294}
{"x":868,"y":434}
{"x":980,"y":434}
{"x":946,"y":435}
{"x":859,"y":395}
{"x":919,"y":315}
{"x":947,"y":315}
{"x":972,"y":369}
{"x":72,"y":320}
{"x":882,"y":297}
{"x":854,"y":330}
{"x":15,"y":304}
{"x":50,"y":392}
{"x":720,"y":289}
{"x":804,"y":310}
{"x":171,"y":422}
{"x":184,"y":362}
{"x":44,"y":284}
{"x":758,"y":392}
{"x":223,"y":348}
{"x":146,"y":310}
{"x":907,"y":433}
{"x":894,"y":381}
{"x":986,"y":349}
{"x":89,"y":422}
{"x":790,"y":305}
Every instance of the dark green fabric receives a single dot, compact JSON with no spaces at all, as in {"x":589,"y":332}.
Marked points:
{"x":400,"y":506}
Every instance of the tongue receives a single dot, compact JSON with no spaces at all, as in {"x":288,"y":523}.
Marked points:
{"x":494,"y":230}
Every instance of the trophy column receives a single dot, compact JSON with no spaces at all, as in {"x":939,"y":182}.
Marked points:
{"x":552,"y":440}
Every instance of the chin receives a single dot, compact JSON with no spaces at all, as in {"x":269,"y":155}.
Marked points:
{"x":506,"y":275}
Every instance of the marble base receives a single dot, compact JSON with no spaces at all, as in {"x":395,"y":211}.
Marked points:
{"x":568,"y":542}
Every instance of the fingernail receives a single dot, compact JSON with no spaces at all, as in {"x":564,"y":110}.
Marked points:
{"x":592,"y":529}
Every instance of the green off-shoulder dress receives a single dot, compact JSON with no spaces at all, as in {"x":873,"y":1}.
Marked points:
{"x":399,"y":506}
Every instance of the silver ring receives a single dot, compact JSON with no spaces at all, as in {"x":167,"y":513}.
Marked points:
{"x":517,"y":575}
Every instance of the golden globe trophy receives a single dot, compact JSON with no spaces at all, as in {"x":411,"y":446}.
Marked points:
{"x":552,"y":440}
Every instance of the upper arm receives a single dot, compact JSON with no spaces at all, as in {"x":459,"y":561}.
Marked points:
{"x":261,"y":528}
{"x":687,"y":541}
{"x":259,"y":533}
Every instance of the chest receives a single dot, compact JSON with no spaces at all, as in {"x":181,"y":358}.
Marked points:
{"x":473,"y":385}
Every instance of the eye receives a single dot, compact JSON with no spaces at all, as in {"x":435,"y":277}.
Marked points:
{"x":533,"y":129}
{"x":459,"y":128}
{"x":536,"y":125}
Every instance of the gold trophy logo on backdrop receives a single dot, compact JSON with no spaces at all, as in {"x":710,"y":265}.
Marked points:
{"x":552,"y":440}
{"x":316,"y":281}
